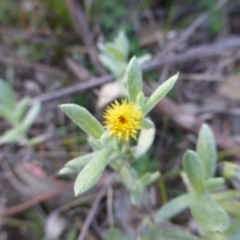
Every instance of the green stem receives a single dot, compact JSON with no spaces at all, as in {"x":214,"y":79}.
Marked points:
{"x":163,"y":190}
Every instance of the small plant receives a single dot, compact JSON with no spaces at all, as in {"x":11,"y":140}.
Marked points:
{"x":111,"y":142}
{"x":200,"y":167}
{"x":113,"y":146}
{"x":17,"y":115}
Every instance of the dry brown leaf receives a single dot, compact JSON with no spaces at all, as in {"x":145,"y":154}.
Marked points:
{"x":230,"y":88}
{"x":108,"y":93}
{"x":148,"y":35}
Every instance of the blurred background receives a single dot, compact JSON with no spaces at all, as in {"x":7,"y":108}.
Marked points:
{"x":50,"y":54}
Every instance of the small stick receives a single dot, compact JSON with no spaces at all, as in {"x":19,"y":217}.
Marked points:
{"x":33,"y":201}
{"x":80,"y":22}
{"x":94,"y":208}
{"x":197,"y":52}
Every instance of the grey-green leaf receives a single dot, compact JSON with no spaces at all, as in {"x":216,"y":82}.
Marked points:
{"x":214,"y":183}
{"x":226,"y":195}
{"x":122,"y":42}
{"x":90,"y":174}
{"x":159,"y":93}
{"x":13,"y":135}
{"x":75,"y":164}
{"x":174,"y":207}
{"x":127,"y":177}
{"x":7,"y":113}
{"x":31,"y":116}
{"x":84,"y":119}
{"x":134,"y":79}
{"x":209,"y":213}
{"x":230,"y":170}
{"x":7,"y":96}
{"x":148,"y":178}
{"x":110,"y":64}
{"x":21,"y":108}
{"x":194,"y":168}
{"x":115,"y":234}
{"x":145,"y":141}
{"x":166,"y":232}
{"x":136,"y":195}
{"x":141,"y":99}
{"x":206,"y":149}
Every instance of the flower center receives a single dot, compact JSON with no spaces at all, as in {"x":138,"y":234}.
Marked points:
{"x":122,"y":119}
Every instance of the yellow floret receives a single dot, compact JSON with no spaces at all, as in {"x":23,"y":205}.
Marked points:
{"x":123,"y":120}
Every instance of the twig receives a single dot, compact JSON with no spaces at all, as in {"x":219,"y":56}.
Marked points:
{"x":33,"y":201}
{"x":80,"y":72}
{"x":94,"y":208}
{"x":73,"y":89}
{"x":21,"y":188}
{"x":33,"y":66}
{"x":77,"y":202}
{"x":192,"y":124}
{"x":188,"y":31}
{"x":84,"y":32}
{"x":201,"y":77}
{"x":110,"y":206}
{"x":181,"y":117}
{"x":198,"y":52}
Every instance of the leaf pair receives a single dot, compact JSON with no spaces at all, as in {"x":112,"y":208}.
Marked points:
{"x":15,"y":114}
{"x":134,"y":87}
{"x":114,"y":54}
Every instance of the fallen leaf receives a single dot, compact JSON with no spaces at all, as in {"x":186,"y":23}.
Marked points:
{"x":230,"y":88}
{"x":108,"y":93}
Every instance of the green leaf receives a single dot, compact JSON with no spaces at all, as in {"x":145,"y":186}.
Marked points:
{"x":134,"y":79}
{"x":159,"y":93}
{"x":145,"y":141}
{"x":136,"y":195}
{"x":84,"y":119}
{"x":226,"y":195}
{"x":206,"y":149}
{"x":144,"y":58}
{"x":95,"y":143}
{"x":108,"y":141}
{"x":148,"y":178}
{"x":21,"y":108}
{"x":75,"y":164}
{"x":232,"y":208}
{"x":7,"y":114}
{"x":147,"y":123}
{"x":167,"y":233}
{"x":127,"y":177}
{"x":194,"y":168}
{"x":114,"y":50}
{"x":7,"y":95}
{"x":214,"y":183}
{"x":232,"y":233}
{"x":141,"y":99}
{"x":174,"y":207}
{"x":137,"y":186}
{"x":122,"y":42}
{"x":231,"y":170}
{"x":209,"y":214}
{"x":115,"y":234}
{"x":12,"y":136}
{"x":31,"y":116}
{"x":177,"y":234}
{"x":90,"y":174}
{"x":110,"y":64}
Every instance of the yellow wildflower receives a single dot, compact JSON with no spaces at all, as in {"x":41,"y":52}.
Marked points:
{"x":123,"y":120}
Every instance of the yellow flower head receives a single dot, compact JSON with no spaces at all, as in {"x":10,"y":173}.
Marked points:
{"x":123,"y":120}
